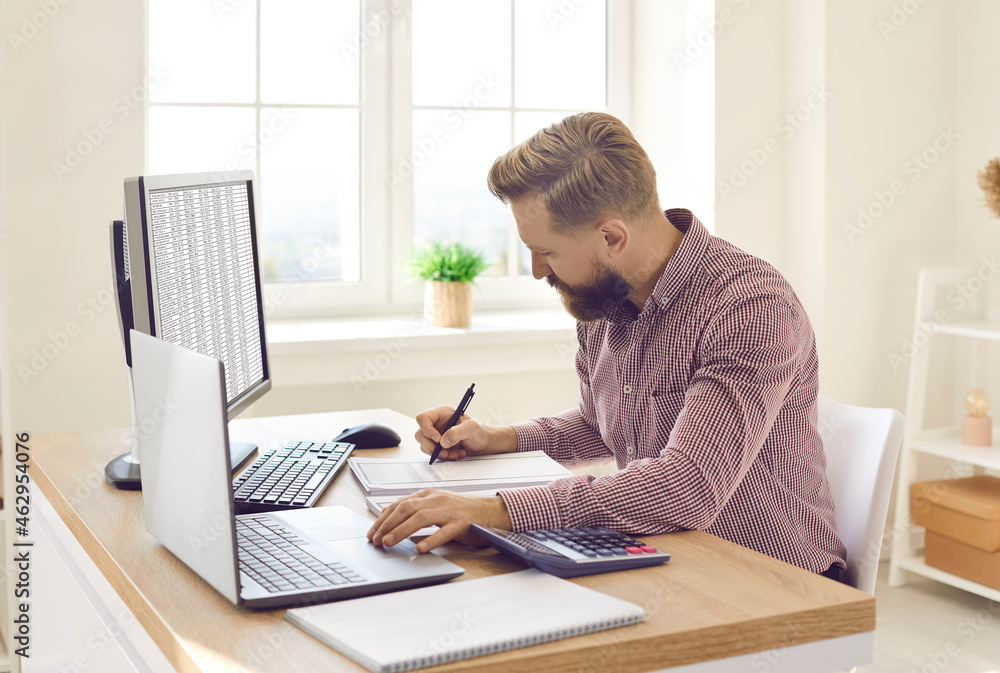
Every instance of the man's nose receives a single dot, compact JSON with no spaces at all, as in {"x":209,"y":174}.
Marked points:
{"x":539,"y":269}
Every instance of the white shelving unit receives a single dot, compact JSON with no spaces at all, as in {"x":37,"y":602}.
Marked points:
{"x":935,"y":316}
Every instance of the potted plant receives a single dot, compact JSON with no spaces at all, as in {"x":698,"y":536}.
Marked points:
{"x":449,"y":269}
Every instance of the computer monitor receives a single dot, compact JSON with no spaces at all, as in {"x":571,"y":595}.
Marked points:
{"x":187,"y":270}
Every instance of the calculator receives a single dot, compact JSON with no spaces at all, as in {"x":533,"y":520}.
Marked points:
{"x":572,"y":552}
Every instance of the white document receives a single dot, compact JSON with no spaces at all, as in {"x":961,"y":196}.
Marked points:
{"x":382,"y":476}
{"x":433,"y":625}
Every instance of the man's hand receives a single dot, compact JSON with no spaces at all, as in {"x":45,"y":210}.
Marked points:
{"x":452,"y":512}
{"x":468,"y":437}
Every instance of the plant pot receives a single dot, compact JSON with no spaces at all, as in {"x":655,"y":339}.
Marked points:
{"x":448,"y":304}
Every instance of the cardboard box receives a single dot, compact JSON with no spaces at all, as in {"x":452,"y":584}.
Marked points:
{"x":965,"y":510}
{"x":962,"y":559}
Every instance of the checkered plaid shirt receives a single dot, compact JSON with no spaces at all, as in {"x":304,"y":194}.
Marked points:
{"x":706,"y":399}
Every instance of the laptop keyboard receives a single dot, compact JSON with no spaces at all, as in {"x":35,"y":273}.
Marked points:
{"x":272,"y":556}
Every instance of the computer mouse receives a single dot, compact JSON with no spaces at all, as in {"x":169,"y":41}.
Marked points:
{"x":369,"y":436}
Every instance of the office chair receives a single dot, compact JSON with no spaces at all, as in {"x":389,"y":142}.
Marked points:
{"x":861,"y":447}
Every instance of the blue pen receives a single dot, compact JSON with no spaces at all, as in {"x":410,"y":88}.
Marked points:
{"x":462,"y":406}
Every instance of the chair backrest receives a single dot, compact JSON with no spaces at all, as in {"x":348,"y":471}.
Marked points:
{"x":861,"y":448}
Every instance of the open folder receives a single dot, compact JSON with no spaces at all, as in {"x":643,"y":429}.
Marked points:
{"x":379,"y":476}
{"x":448,"y":622}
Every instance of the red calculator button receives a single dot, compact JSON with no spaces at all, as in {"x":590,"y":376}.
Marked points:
{"x":648,"y":549}
{"x":633,"y":550}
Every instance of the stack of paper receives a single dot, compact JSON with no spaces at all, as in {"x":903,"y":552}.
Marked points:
{"x":424,"y":627}
{"x":386,"y":477}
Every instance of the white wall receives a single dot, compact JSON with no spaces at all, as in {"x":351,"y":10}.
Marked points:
{"x":749,"y":100}
{"x":977,"y":111}
{"x":65,"y":367}
{"x":886,"y":99}
{"x":893,"y":94}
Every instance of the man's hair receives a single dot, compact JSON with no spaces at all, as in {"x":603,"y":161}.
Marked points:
{"x":585,"y":168}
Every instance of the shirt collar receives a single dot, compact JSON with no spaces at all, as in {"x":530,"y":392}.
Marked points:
{"x":679,"y":269}
{"x":684,"y":261}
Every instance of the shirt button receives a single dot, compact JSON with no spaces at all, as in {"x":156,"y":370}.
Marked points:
{"x":626,"y":389}
{"x":630,"y":451}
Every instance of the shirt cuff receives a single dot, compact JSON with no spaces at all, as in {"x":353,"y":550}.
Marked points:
{"x":531,"y":436}
{"x":531,"y":508}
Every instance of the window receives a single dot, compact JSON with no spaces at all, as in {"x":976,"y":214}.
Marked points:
{"x":523,"y":66}
{"x":371,"y":125}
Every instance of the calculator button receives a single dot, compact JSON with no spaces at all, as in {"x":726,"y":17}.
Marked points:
{"x":604,"y":552}
{"x":633,"y":550}
{"x":648,"y":549}
{"x":619,"y":551}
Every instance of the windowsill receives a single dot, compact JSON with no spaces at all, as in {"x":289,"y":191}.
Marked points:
{"x":300,"y":337}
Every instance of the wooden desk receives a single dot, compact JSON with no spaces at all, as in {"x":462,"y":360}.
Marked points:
{"x":712,"y":601}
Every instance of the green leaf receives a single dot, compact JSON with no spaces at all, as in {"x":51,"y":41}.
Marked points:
{"x":452,"y":262}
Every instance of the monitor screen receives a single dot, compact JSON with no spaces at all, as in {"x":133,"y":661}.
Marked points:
{"x":194,"y":272}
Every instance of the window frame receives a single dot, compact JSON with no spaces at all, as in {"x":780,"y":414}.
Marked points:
{"x":386,"y":232}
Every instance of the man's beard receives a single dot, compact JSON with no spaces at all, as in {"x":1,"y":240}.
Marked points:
{"x":597,"y":299}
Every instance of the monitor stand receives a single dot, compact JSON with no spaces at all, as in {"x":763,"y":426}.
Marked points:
{"x":123,"y":471}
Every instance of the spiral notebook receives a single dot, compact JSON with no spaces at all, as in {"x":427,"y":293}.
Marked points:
{"x":413,"y":629}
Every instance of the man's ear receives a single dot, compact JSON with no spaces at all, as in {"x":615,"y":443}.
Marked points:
{"x":616,"y":237}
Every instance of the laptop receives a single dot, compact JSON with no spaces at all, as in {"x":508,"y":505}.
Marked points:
{"x":266,"y":560}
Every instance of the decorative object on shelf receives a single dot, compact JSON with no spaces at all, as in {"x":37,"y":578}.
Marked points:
{"x":977,"y":426}
{"x":449,"y":269}
{"x":989,"y":181}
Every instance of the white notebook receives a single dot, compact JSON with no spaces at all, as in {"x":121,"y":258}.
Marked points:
{"x":424,"y":627}
{"x":402,"y":476}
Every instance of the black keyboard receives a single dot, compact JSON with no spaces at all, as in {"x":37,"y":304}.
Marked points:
{"x":291,"y":477}
{"x":273,"y":557}
{"x":571,"y":552}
